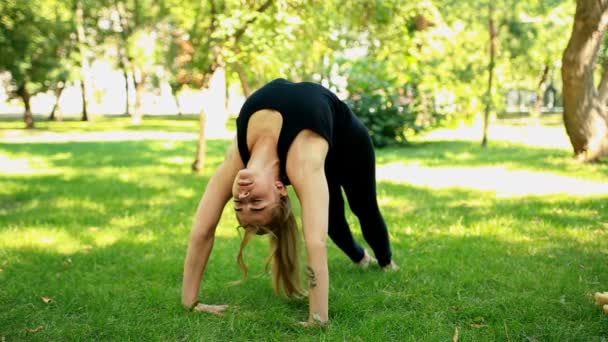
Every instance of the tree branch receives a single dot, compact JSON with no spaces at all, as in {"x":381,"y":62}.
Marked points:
{"x":238,"y":34}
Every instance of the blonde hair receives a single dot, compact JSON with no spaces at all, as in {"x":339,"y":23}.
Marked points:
{"x":284,"y":240}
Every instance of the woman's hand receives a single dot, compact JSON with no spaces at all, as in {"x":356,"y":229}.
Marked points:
{"x":212,"y":309}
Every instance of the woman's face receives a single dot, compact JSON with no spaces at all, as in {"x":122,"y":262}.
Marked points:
{"x":255,"y":194}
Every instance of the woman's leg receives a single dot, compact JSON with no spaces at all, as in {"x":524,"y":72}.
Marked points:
{"x":338,"y":229}
{"x":358,"y":177}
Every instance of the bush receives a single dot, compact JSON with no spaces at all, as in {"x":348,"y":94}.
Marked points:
{"x":384,"y":119}
{"x":390,"y":112}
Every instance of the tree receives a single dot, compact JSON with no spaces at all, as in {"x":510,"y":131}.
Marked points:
{"x":491,"y":64}
{"x":32,"y":41}
{"x":585,"y":103}
{"x":137,"y":26}
{"x":207,"y":33}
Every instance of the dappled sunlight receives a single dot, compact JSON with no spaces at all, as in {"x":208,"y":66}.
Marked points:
{"x":49,"y":239}
{"x":125,"y":222}
{"x":531,"y":135}
{"x":77,"y":205}
{"x":107,"y":236}
{"x":497,"y":179}
{"x":26,"y":166}
{"x":177,"y":160}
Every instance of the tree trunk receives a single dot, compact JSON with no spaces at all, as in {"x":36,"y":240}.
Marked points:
{"x":201,"y":148}
{"x":28,"y":118}
{"x":139,"y":79}
{"x":585,"y":106}
{"x":85,"y":115}
{"x":126,"y":76}
{"x":176,"y":98}
{"x":486,"y":116}
{"x":84,"y":61}
{"x":244,"y":81}
{"x":123,"y":59}
{"x":58,"y":92}
{"x":540,"y":93}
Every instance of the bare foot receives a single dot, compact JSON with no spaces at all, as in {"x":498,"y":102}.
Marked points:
{"x":601,"y":298}
{"x":392,"y":267}
{"x":366,"y":261}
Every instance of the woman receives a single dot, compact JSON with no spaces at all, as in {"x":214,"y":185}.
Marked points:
{"x":299,"y":134}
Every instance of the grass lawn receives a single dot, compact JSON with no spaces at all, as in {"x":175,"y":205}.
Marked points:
{"x":93,"y":236}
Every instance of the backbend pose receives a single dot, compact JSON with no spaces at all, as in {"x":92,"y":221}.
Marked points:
{"x":299,"y":134}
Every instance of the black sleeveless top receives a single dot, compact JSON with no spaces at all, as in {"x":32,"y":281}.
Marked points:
{"x":302,"y":105}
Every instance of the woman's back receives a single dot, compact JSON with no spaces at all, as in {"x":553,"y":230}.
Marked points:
{"x":302,"y":106}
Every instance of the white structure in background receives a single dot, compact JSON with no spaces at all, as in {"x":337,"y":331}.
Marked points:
{"x":213,"y":101}
{"x":108,"y":97}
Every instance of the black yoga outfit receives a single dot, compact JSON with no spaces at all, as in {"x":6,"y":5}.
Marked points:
{"x":350,"y":162}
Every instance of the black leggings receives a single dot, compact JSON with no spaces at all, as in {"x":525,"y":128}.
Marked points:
{"x":352,"y":167}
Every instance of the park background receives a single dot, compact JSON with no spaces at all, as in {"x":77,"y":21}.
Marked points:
{"x":490,"y":119}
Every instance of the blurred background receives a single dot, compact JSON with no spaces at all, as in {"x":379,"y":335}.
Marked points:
{"x":403,"y":66}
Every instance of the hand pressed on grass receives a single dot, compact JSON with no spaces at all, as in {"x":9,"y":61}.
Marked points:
{"x":217,"y":310}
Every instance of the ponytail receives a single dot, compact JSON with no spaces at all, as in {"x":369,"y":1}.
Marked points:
{"x":284,"y":241}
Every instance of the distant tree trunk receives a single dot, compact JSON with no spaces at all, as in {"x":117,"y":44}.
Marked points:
{"x":177,"y":104}
{"x":486,"y":116}
{"x":58,"y":92}
{"x":201,"y":148}
{"x":139,"y":79}
{"x":84,"y":61}
{"x":28,"y":118}
{"x":244,"y":81}
{"x":540,"y":93}
{"x":585,"y":106}
{"x":85,"y":114}
{"x":126,"y":76}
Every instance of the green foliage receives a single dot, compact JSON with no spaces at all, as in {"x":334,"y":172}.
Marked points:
{"x":34,"y":39}
{"x":439,"y":47}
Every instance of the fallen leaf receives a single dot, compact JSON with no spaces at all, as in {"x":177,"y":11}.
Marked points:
{"x":456,"y":337}
{"x":47,"y":300}
{"x":36,"y":329}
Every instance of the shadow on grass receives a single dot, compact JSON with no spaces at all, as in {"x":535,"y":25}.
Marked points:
{"x":188,"y":123}
{"x":131,"y":290}
{"x":447,"y":207}
{"x":520,"y":266}
{"x":115,"y":153}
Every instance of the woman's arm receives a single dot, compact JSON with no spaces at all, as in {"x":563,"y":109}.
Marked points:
{"x":211,"y":205}
{"x":307,"y":174}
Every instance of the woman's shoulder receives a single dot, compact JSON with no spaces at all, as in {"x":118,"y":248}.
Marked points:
{"x":308,"y":149}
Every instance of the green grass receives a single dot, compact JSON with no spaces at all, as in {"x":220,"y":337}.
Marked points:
{"x":102,"y":227}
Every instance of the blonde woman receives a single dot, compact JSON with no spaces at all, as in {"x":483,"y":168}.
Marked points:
{"x":297,"y":134}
